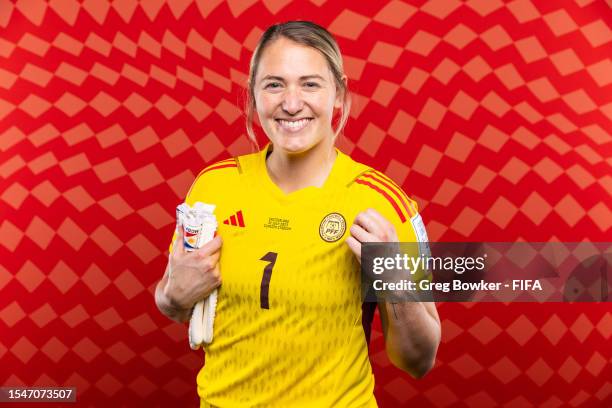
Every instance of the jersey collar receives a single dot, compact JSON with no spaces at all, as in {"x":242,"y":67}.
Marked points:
{"x":271,"y":187}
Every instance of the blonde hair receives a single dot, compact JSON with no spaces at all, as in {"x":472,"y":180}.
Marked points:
{"x":308,"y":34}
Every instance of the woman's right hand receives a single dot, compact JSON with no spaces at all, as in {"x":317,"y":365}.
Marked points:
{"x":192,"y":275}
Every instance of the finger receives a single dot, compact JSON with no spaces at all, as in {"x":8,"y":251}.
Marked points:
{"x":355,"y":246}
{"x":366,"y":221}
{"x":362,"y":235}
{"x":380,"y":224}
{"x":178,"y":247}
{"x":205,"y":264}
{"x":378,"y":218}
{"x":212,"y":261}
{"x":217,"y":274}
{"x":210,"y":247}
{"x":388,"y":229}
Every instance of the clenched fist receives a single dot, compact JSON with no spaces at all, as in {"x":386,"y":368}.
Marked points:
{"x":370,"y":226}
{"x":192,"y":275}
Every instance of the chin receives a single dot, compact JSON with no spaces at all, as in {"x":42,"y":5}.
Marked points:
{"x":293,"y":146}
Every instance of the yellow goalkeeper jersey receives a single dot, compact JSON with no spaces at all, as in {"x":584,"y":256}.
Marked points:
{"x":288,"y":327}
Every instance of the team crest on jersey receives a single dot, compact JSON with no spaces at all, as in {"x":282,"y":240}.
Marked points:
{"x":332,"y":227}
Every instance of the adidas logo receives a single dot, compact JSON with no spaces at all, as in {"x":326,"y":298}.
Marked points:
{"x":236,"y":220}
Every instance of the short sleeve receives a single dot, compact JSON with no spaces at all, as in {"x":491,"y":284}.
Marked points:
{"x":379,"y":192}
{"x":375,"y":190}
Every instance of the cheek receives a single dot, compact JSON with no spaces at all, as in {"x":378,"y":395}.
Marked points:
{"x":264,"y":104}
{"x":324,"y":105}
{"x":261,"y":107}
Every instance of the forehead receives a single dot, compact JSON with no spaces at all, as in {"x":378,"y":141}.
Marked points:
{"x":288,"y":59}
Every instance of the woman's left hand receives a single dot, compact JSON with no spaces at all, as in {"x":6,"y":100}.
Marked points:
{"x":370,"y":226}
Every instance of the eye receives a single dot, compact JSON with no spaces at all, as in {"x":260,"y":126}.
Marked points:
{"x":272,"y":85}
{"x":311,"y":84}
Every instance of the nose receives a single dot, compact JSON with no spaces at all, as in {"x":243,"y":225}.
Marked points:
{"x":292,"y":101}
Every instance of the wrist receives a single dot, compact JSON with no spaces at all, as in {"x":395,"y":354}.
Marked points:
{"x":171,"y":304}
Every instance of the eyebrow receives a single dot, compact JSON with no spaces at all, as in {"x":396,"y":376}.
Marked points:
{"x":303,"y":77}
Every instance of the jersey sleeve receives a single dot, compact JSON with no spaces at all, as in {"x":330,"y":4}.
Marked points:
{"x":377,"y":191}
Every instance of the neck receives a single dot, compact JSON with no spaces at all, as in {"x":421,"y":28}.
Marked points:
{"x":292,"y":172}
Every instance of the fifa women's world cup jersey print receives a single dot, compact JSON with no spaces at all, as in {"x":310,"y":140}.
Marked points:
{"x":288,"y":327}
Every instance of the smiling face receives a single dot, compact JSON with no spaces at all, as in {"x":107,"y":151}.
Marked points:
{"x":295,"y":96}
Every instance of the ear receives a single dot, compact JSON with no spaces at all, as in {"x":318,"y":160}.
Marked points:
{"x":340,"y":93}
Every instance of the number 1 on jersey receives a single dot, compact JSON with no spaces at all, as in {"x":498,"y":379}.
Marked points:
{"x":265,"y":280}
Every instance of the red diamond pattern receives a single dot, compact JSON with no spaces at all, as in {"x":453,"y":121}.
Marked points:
{"x":581,"y":328}
{"x":466,"y":366}
{"x":554,"y":329}
{"x":569,"y":369}
{"x":86,"y":349}
{"x":485,"y":330}
{"x":63,"y":277}
{"x":54,"y":349}
{"x":522,"y":330}
{"x":504,"y":370}
{"x":539,"y":372}
{"x":493,"y":115}
{"x":75,"y":316}
{"x":11,"y":314}
{"x":120,"y":352}
{"x":30,"y":276}
{"x":23,"y":349}
{"x":108,"y":319}
{"x":128,"y":285}
{"x":43,"y":315}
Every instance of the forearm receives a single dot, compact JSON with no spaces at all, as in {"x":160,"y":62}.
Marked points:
{"x":412,"y":335}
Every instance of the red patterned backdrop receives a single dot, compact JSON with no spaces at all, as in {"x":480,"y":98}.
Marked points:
{"x":495,"y":116}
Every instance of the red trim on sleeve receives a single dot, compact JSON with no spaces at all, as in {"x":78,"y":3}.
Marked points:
{"x":218,"y":166}
{"x":386,"y":195}
{"x":400,"y":195}
{"x":411,"y":203}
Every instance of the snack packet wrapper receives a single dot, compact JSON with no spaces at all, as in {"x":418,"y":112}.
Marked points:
{"x":199,"y":225}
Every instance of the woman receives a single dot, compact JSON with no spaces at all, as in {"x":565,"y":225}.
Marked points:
{"x":288,"y":327}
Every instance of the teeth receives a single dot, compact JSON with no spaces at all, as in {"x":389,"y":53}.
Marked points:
{"x":293,"y":125}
